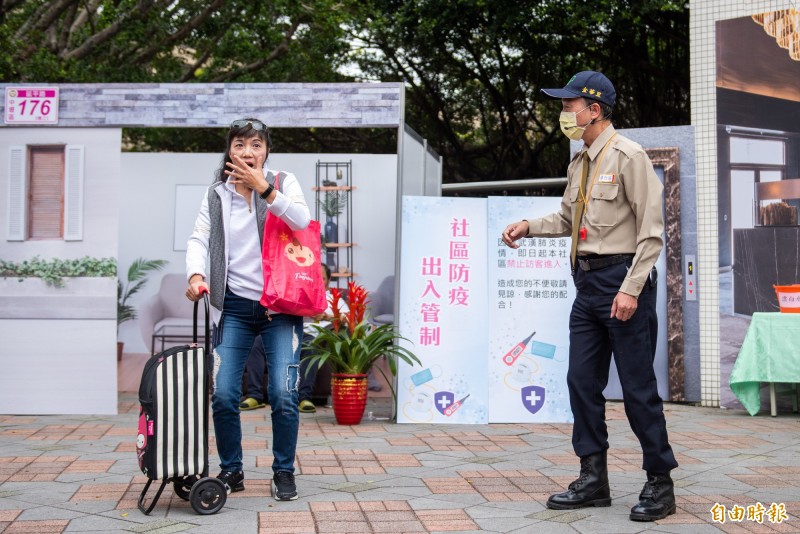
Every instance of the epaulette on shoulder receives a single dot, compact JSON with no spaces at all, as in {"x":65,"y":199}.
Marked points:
{"x":626,"y":146}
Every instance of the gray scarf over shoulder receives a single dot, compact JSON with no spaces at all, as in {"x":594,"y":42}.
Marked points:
{"x":218,"y":273}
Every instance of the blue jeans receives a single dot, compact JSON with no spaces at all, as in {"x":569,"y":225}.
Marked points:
{"x":256,"y":366}
{"x":242,"y":320}
{"x":308,"y":377}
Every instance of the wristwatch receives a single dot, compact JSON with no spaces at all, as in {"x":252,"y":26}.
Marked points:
{"x":270,"y":188}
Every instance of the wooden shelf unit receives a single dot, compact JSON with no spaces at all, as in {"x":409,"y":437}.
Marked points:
{"x":333,"y":188}
{"x":338,"y":253}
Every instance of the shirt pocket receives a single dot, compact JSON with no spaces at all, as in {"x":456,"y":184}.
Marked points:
{"x":603,"y":207}
{"x":573,"y":194}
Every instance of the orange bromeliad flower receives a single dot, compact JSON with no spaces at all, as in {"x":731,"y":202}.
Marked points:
{"x":357,"y":302}
{"x":336,"y":296}
{"x":354,"y":349}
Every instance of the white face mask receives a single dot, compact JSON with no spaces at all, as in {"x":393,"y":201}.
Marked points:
{"x":569,"y":124}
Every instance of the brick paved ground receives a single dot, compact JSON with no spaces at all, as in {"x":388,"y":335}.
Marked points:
{"x":79,"y":474}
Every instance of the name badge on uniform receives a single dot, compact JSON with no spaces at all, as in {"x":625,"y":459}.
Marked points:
{"x":606,"y":179}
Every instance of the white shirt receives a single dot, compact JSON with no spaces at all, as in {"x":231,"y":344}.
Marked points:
{"x":245,"y":272}
{"x":289,"y":204}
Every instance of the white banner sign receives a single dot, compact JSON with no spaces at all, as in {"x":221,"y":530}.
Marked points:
{"x":530,"y":297}
{"x":443,"y":310}
{"x":489,"y":323}
{"x":31,"y":105}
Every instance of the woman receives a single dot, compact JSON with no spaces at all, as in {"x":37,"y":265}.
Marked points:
{"x":229,"y":232}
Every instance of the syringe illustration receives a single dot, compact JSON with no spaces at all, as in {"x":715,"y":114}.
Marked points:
{"x":450,"y":410}
{"x":514,"y":353}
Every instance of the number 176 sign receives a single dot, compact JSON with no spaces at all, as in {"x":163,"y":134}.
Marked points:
{"x":31,"y":105}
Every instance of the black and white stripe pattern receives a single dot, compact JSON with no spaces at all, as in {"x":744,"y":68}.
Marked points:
{"x":181,"y":428}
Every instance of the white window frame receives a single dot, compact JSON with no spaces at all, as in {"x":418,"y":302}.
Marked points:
{"x":18,"y":183}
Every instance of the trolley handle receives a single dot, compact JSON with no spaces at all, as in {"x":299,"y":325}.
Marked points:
{"x":204,"y":292}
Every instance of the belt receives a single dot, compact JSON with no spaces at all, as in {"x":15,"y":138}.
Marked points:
{"x":601,"y":262}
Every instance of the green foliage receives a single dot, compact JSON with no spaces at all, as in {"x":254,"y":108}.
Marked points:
{"x":137,"y":278}
{"x":52,"y":271}
{"x":473,"y":68}
{"x":168,"y":41}
{"x":356,"y":352}
{"x":474,"y":71}
{"x":106,"y":41}
{"x":333,"y":203}
{"x":174,"y":140}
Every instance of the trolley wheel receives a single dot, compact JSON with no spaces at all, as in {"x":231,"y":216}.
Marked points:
{"x":183,"y":486}
{"x":208,"y":496}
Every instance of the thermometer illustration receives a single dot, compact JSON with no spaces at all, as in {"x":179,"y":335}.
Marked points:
{"x":514,"y":353}
{"x":455,"y":406}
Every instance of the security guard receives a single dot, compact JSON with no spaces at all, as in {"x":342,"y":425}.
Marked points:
{"x":612,"y":208}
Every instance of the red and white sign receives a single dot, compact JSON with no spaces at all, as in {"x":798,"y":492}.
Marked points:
{"x":31,"y":105}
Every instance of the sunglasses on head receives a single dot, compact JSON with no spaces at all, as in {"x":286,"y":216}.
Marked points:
{"x":256,"y":125}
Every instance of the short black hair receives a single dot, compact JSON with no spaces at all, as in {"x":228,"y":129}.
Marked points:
{"x":327,"y":271}
{"x":605,"y":110}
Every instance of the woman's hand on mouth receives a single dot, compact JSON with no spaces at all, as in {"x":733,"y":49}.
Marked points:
{"x":243,"y":173}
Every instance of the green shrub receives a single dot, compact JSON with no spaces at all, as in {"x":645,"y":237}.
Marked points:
{"x":137,"y":278}
{"x":53,"y":271}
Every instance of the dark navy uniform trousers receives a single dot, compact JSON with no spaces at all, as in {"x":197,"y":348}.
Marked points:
{"x":594,"y":335}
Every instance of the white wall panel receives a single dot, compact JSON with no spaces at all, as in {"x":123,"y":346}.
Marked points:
{"x":72,"y":370}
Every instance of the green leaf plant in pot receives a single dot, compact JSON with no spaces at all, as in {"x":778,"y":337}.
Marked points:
{"x":137,"y":278}
{"x":351,"y":348}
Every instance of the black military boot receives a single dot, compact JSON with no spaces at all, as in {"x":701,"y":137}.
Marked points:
{"x":590,"y":489}
{"x":657,"y":499}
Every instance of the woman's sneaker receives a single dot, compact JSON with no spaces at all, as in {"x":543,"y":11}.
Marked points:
{"x":283,"y":488}
{"x":233,"y":480}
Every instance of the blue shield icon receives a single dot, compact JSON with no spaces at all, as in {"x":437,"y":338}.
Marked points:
{"x":443,"y":400}
{"x":533,"y":398}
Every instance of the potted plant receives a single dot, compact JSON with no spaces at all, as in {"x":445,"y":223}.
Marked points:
{"x":52,"y":272}
{"x":351,"y":348}
{"x":137,"y":273}
{"x":333,"y":204}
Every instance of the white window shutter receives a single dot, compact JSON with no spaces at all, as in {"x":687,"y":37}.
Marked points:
{"x":73,"y":193}
{"x":17,"y":194}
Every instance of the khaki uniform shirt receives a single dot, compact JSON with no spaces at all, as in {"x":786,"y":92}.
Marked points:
{"x":624,"y":210}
